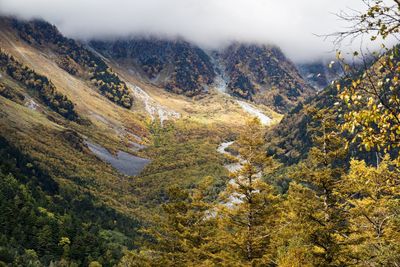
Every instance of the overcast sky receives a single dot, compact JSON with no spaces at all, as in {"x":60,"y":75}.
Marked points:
{"x":290,"y":24}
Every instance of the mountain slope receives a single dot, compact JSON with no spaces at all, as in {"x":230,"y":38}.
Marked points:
{"x":53,"y":114}
{"x":73,"y":58}
{"x":292,"y":138}
{"x":175,"y":65}
{"x":263,"y":74}
{"x":254,"y":72}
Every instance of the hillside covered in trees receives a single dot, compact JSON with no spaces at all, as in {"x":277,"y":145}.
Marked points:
{"x":74,"y":58}
{"x":40,"y":84}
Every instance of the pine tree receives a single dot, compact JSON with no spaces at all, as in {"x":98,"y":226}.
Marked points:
{"x":372,"y":197}
{"x":181,"y":233}
{"x":247,"y":221}
{"x":314,"y":226}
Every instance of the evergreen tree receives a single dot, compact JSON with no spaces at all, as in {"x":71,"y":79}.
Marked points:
{"x":181,"y":233}
{"x":314,"y":227}
{"x":248,"y":220}
{"x":372,"y":197}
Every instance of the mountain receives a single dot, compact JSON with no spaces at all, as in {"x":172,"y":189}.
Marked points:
{"x":55,"y":186}
{"x":320,"y":74}
{"x":127,"y":152}
{"x":73,"y":58}
{"x":254,"y":72}
{"x":263,"y":73}
{"x":89,"y":149}
{"x":159,"y":152}
{"x":176,"y":66}
{"x":291,"y":139}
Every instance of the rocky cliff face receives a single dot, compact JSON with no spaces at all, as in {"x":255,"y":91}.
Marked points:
{"x":253,"y":72}
{"x":263,"y":74}
{"x":175,"y":65}
{"x":320,"y":74}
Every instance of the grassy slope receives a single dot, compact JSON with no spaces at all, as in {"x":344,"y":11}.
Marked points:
{"x":46,"y":142}
{"x":88,"y":101}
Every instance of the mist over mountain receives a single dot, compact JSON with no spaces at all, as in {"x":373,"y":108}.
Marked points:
{"x":292,"y":25}
{"x":184,"y":133}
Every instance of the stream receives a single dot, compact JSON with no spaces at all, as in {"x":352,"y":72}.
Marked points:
{"x":233,"y":199}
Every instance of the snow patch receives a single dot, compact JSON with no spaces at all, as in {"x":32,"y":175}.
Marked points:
{"x":31,"y":104}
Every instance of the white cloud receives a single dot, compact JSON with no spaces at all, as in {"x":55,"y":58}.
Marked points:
{"x":291,"y":24}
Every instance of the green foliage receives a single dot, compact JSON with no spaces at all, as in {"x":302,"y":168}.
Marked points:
{"x":373,"y":213}
{"x":181,"y":154}
{"x":315,"y":213}
{"x":180,"y":233}
{"x":373,"y":105}
{"x":373,"y":99}
{"x":339,"y":215}
{"x":43,"y":220}
{"x":291,"y":140}
{"x":246,"y":225}
{"x":337,"y":211}
{"x":191,"y":230}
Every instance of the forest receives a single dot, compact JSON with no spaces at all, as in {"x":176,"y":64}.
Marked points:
{"x":321,"y":188}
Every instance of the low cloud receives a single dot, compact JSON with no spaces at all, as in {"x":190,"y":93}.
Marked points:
{"x":290,"y":24}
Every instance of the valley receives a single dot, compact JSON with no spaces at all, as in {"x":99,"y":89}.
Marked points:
{"x":122,"y":157}
{"x":148,"y":150}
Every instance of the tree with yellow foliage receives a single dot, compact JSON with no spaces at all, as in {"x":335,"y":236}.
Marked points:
{"x":248,"y":220}
{"x":372,"y":197}
{"x":313,"y":226}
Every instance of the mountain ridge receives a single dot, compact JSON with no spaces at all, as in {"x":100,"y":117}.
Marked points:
{"x":258,"y":73}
